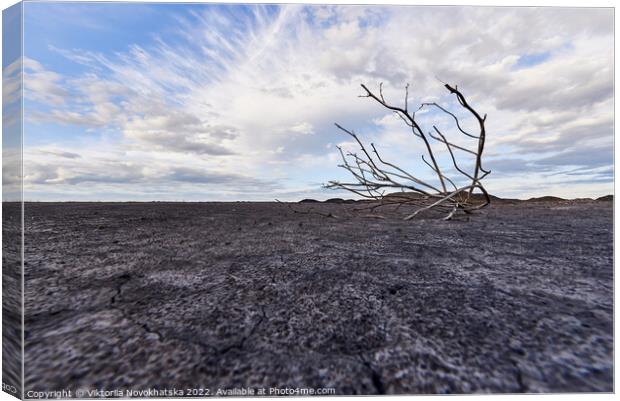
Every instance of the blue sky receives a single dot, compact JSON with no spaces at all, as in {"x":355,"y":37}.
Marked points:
{"x":530,"y":60}
{"x":139,"y":101}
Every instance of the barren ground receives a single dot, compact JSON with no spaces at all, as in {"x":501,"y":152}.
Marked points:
{"x":231,"y":295}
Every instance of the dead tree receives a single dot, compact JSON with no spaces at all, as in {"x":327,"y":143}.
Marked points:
{"x":374,"y":175}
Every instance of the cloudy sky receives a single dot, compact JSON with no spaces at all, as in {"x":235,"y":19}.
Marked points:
{"x":213,"y":102}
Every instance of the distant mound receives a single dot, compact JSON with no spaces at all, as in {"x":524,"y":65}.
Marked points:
{"x":331,"y":200}
{"x":481,"y":198}
{"x":476,"y":197}
{"x":606,"y":198}
{"x":546,"y":199}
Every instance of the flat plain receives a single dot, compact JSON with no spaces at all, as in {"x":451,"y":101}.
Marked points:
{"x":519,"y":298}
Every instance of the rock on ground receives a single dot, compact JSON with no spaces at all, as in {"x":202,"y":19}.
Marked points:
{"x":229,"y":295}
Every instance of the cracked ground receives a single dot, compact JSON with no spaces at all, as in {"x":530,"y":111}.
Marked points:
{"x":230,"y":295}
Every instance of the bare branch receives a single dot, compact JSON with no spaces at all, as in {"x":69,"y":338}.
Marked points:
{"x":449,"y":146}
{"x":406,"y":97}
{"x":414,"y":126}
{"x":458,"y":125}
{"x":374,"y":174}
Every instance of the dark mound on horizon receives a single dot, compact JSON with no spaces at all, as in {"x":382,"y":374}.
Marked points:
{"x":237,"y":295}
{"x":546,"y":199}
{"x":333,"y":201}
{"x":476,"y":197}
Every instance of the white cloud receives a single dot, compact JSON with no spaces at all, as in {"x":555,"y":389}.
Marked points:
{"x":303,"y":128}
{"x":42,"y":85}
{"x":234,"y":93}
{"x":12,"y":82}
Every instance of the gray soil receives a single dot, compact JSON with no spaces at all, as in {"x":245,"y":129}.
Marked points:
{"x":230,"y":295}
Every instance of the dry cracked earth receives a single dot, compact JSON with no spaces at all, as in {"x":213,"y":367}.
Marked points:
{"x":230,"y":295}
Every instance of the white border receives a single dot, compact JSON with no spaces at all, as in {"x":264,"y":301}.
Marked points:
{"x":544,"y":3}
